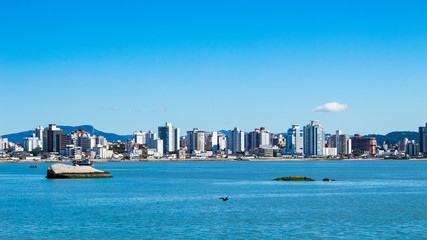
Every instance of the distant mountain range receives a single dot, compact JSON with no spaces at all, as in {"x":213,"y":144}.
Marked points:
{"x":17,"y":137}
{"x":393,"y":137}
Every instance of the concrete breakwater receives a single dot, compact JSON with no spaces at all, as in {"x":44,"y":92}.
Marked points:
{"x":67,"y":171}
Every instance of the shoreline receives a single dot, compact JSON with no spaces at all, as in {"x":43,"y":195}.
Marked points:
{"x":204,"y":160}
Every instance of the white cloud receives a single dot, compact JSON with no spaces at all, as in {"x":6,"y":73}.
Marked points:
{"x":331,"y":107}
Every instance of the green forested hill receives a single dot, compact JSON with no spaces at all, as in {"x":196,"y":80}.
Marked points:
{"x":395,"y":137}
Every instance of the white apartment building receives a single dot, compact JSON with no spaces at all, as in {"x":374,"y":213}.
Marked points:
{"x":32,"y":143}
{"x":139,"y":137}
{"x":4,"y":143}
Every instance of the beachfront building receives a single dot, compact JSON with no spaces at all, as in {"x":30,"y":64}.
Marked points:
{"x":222,"y":141}
{"x":73,"y":151}
{"x":212,"y":141}
{"x":412,"y":148}
{"x":150,"y":139}
{"x":139,"y":137}
{"x":236,"y":140}
{"x":54,"y":139}
{"x":170,"y":137}
{"x":423,"y":139}
{"x":32,"y":143}
{"x":196,"y":140}
{"x":341,"y":142}
{"x":102,"y":151}
{"x":88,"y":143}
{"x":294,"y":141}
{"x":402,"y":145}
{"x":313,"y":139}
{"x":153,"y":142}
{"x":364,"y":145}
{"x":256,"y":138}
{"x":81,"y":141}
{"x":329,"y":151}
{"x":4,"y":143}
{"x":215,"y":141}
{"x":39,"y":134}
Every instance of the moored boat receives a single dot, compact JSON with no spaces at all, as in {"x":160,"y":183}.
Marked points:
{"x":84,"y":162}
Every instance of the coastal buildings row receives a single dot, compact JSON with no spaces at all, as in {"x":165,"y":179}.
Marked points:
{"x":309,"y":140}
{"x":57,"y":142}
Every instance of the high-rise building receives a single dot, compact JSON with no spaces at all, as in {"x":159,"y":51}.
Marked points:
{"x":4,"y":143}
{"x":153,"y":142}
{"x":75,"y":137}
{"x":313,"y":139}
{"x":130,"y":145}
{"x":258,"y":137}
{"x":183,"y":142}
{"x":54,"y":139}
{"x":196,"y":140}
{"x":342,"y":142}
{"x":170,"y":137}
{"x":264,"y":137}
{"x":39,"y":134}
{"x":222,"y":141}
{"x":403,"y":144}
{"x":294,"y":140}
{"x":423,"y":140}
{"x":150,"y":139}
{"x":88,"y":143}
{"x":213,"y":140}
{"x":139,"y":137}
{"x":236,"y":140}
{"x":412,"y":148}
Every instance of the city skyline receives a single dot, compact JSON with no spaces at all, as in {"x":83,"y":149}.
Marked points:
{"x":309,"y":141}
{"x":129,"y":66}
{"x":284,"y":131}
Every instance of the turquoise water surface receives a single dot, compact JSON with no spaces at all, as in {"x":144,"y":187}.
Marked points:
{"x":179,"y":200}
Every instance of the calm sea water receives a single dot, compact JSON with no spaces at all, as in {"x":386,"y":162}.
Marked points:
{"x":179,"y":200}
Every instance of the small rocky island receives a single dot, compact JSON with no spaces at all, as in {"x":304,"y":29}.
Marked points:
{"x":67,"y":171}
{"x":328,"y":179}
{"x":294,"y":178}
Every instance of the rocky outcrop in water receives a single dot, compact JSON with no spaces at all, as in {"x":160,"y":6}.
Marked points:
{"x":67,"y":171}
{"x":294,"y":178}
{"x":328,"y":179}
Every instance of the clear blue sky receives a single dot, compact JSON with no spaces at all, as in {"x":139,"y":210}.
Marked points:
{"x":133,"y":65}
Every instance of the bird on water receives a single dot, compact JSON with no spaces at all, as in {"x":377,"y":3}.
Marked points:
{"x":224,"y":199}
